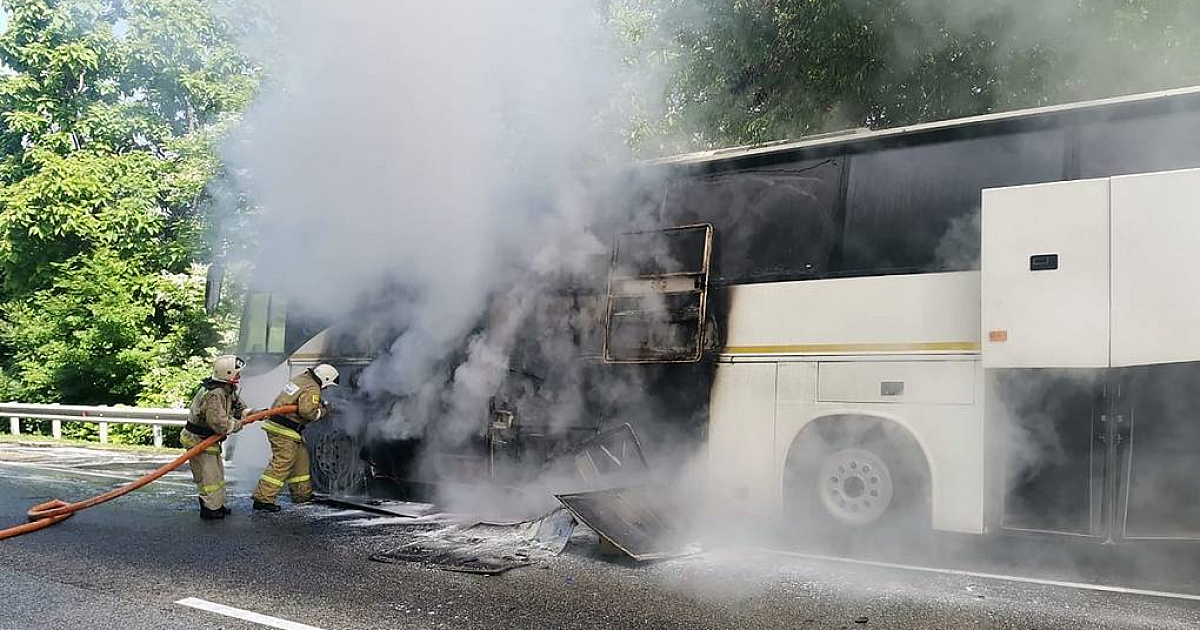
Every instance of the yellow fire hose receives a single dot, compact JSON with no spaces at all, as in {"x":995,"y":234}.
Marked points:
{"x":46,"y":514}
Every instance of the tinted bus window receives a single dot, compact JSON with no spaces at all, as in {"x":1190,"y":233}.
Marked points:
{"x":253,"y":337}
{"x":270,"y":327}
{"x":1142,"y":145}
{"x":915,"y":208}
{"x":774,"y":223}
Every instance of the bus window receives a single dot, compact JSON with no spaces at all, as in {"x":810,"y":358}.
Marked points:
{"x":276,"y":325}
{"x":1141,"y":145}
{"x":264,"y":323}
{"x":902,"y":202}
{"x":770,"y":224}
{"x":658,"y":292}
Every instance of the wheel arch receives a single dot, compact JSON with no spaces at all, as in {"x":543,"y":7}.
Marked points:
{"x":892,"y":423}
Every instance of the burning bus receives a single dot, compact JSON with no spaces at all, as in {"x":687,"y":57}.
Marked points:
{"x":977,"y":325}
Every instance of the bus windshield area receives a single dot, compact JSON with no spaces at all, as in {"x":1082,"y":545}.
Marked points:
{"x":271,"y":329}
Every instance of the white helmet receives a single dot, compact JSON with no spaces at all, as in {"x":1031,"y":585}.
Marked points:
{"x":228,"y":368}
{"x":326,"y":374}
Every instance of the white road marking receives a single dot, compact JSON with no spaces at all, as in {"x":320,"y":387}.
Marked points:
{"x":991,"y":576}
{"x":244,"y":615}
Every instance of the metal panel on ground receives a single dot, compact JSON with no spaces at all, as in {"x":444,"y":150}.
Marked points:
{"x":1045,"y":275}
{"x":635,"y":519}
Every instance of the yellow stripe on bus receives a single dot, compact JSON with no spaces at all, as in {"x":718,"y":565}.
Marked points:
{"x":846,"y":348}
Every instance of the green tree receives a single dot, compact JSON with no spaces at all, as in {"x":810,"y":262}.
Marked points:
{"x":759,"y":70}
{"x":111,"y":111}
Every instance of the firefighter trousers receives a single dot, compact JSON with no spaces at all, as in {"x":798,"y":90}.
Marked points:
{"x":208,"y":471}
{"x":289,"y":466}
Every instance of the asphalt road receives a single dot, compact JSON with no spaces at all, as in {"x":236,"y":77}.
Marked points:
{"x":126,"y":564}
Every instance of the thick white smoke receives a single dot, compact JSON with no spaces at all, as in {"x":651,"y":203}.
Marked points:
{"x":425,"y":157}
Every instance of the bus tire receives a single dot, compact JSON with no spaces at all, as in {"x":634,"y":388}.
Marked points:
{"x":857,"y":480}
{"x":338,"y":467}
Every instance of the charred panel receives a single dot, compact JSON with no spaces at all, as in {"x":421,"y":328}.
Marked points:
{"x":1158,"y":422}
{"x":1050,"y":425}
{"x":775,"y":223}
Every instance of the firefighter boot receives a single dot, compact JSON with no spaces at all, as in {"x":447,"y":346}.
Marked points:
{"x":211,"y":515}
{"x":266,"y":507}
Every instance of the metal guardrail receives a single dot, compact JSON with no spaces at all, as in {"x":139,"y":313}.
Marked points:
{"x":103,"y":415}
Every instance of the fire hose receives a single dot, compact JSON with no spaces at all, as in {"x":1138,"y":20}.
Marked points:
{"x":56,"y":510}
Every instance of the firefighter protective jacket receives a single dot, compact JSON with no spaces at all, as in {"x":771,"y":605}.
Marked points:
{"x":304,"y":391}
{"x":217,"y":408}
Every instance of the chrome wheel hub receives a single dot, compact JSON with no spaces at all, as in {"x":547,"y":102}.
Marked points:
{"x":855,"y":486}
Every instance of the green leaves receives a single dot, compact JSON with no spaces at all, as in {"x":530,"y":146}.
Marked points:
{"x":110,"y":116}
{"x":760,"y":70}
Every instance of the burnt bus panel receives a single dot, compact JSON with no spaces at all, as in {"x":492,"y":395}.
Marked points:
{"x":658,"y":253}
{"x":1051,"y":424}
{"x":1158,"y":436}
{"x":769,"y":224}
{"x":915,"y":208}
{"x":658,"y":296}
{"x":639,"y":520}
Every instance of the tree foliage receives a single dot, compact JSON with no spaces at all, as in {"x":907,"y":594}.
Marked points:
{"x":110,"y":113}
{"x":742,"y":71}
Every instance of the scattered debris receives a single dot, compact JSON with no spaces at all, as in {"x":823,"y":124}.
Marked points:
{"x":610,"y":458}
{"x":387,"y":508}
{"x":862,"y":619}
{"x":453,"y":559}
{"x":487,"y":548}
{"x":631,"y":519}
{"x":551,"y":532}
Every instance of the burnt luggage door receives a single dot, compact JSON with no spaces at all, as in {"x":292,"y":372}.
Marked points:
{"x":658,"y":296}
{"x":1157,"y":423}
{"x":1054,"y":428}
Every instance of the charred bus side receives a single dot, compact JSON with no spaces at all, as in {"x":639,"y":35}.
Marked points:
{"x":819,"y":309}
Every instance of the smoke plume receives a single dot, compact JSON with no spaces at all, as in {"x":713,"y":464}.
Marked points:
{"x":424,"y":170}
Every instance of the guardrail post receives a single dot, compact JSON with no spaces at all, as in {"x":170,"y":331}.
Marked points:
{"x":158,"y":436}
{"x":56,"y":429}
{"x":104,"y":433}
{"x":14,"y":425}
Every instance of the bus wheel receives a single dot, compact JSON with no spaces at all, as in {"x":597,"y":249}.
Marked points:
{"x":857,"y":479}
{"x":855,"y":486}
{"x":338,"y":468}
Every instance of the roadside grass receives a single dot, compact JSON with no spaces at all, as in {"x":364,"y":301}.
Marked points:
{"x":48,"y":442}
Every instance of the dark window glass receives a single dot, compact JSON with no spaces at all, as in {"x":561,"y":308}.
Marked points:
{"x":773,"y":223}
{"x":916,"y":208}
{"x":269,"y":327}
{"x":1142,"y":145}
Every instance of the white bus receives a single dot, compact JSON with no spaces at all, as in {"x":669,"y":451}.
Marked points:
{"x":975,"y":325}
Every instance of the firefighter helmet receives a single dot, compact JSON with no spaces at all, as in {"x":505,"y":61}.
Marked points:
{"x":228,"y":368}
{"x":326,"y":374}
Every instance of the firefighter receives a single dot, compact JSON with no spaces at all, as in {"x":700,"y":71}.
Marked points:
{"x":216,"y":409}
{"x":289,"y":457}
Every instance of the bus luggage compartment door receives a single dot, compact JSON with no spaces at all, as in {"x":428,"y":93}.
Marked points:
{"x":1157,"y":422}
{"x":1052,"y":430}
{"x":658,"y":296}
